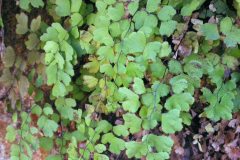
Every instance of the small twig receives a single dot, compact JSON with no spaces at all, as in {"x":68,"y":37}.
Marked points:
{"x":181,"y":40}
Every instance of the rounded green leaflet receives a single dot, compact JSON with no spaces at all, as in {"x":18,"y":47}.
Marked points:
{"x":171,"y":122}
{"x":117,"y":12}
{"x":152,"y":5}
{"x":166,"y":13}
{"x":135,"y":42}
{"x":167,"y":27}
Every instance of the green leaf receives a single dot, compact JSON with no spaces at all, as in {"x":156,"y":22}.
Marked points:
{"x":152,"y":5}
{"x":52,"y":73}
{"x":59,"y":89}
{"x":131,"y":102}
{"x":210,"y":31}
{"x":11,"y":134}
{"x":166,"y":13}
{"x":166,"y":50}
{"x":101,"y":35}
{"x":136,"y":149}
{"x":24,"y":4}
{"x":171,"y":121}
{"x":76,"y":5}
{"x":121,"y":130}
{"x":231,"y":39}
{"x":158,"y":156}
{"x":35,"y":24}
{"x":133,"y":6}
{"x":109,"y":2}
{"x":175,"y":67}
{"x":220,"y":103}
{"x":63,"y":8}
{"x":151,"y":50}
{"x":54,"y":157}
{"x":191,"y":6}
{"x":132,"y":122}
{"x":138,"y":86}
{"x":106,"y":52}
{"x":90,"y":81}
{"x":158,"y":69}
{"x":46,"y":143}
{"x":178,"y":84}
{"x":37,"y":3}
{"x":100,"y":148}
{"x":22,"y":23}
{"x":48,"y":126}
{"x":48,"y":110}
{"x":32,"y":41}
{"x":160,"y":89}
{"x":103,"y":127}
{"x":135,"y":42}
{"x":180,"y":101}
{"x":168,"y":27}
{"x":36,"y":109}
{"x":161,"y":143}
{"x":116,"y":144}
{"x":9,"y":57}
{"x":117,"y":12}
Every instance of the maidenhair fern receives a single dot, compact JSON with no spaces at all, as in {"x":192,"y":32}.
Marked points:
{"x":107,"y":80}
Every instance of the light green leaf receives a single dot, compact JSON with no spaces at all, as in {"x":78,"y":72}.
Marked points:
{"x":37,"y":3}
{"x":166,"y":13}
{"x":121,"y":130}
{"x":11,"y":134}
{"x":63,"y":8}
{"x":103,"y":127}
{"x":59,"y":89}
{"x":226,"y":25}
{"x":48,"y":110}
{"x":116,"y":144}
{"x":131,"y":102}
{"x":48,"y":126}
{"x":106,"y":52}
{"x":171,"y":121}
{"x":135,"y":42}
{"x":191,"y":6}
{"x":76,"y":5}
{"x":151,"y":50}
{"x":152,"y":5}
{"x":136,"y":149}
{"x":132,"y":122}
{"x":100,"y":148}
{"x":178,"y":84}
{"x":166,"y":50}
{"x":161,"y":143}
{"x":175,"y":67}
{"x":210,"y":31}
{"x":180,"y":101}
{"x":167,"y":27}
{"x":24,"y":4}
{"x":117,"y":12}
{"x":138,"y":86}
{"x":133,"y":6}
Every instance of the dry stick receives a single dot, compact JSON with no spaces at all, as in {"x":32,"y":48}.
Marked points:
{"x":181,"y":40}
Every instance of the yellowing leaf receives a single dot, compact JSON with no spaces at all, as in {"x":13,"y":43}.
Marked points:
{"x":90,"y":81}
